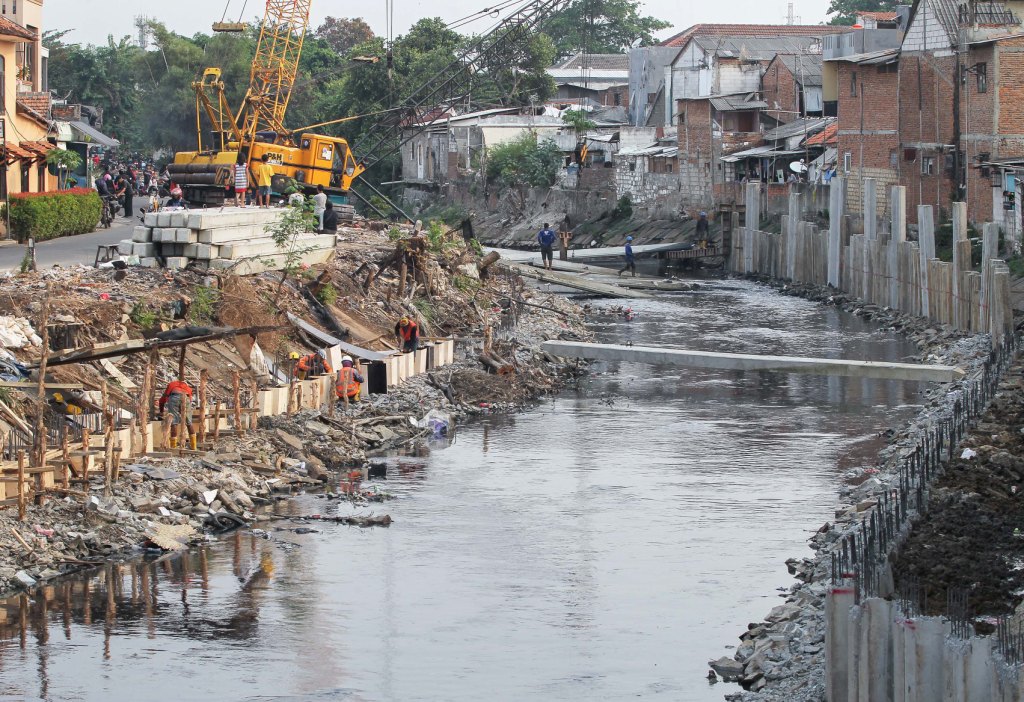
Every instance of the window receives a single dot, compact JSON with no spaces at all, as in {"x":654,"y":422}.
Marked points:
{"x":928,"y":165}
{"x":847,"y":162}
{"x":981,"y":74}
{"x":853,"y":84}
{"x":618,"y":99}
{"x":42,"y":177}
{"x":26,"y":185}
{"x":894,"y":159}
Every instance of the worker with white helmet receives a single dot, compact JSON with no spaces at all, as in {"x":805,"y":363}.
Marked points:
{"x":349,"y":384}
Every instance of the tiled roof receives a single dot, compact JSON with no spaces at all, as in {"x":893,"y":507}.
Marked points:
{"x":31,"y":113}
{"x":754,"y":48}
{"x":878,"y":16}
{"x":827,"y":136}
{"x":753,"y":30}
{"x":804,"y":125}
{"x":598,"y":62}
{"x":37,"y":102}
{"x":12,"y":29}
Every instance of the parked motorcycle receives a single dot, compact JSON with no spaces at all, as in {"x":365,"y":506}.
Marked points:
{"x":111,"y":208}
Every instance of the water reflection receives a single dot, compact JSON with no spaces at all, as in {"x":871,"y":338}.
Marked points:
{"x":603,"y":545}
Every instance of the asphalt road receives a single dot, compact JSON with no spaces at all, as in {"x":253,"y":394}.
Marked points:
{"x":70,"y":250}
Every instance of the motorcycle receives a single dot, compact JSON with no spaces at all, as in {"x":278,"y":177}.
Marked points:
{"x":111,"y":208}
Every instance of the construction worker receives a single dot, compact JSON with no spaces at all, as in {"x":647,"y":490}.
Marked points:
{"x":546,"y":238}
{"x":349,"y":381}
{"x":176,"y":407}
{"x":408,"y":334}
{"x":312,"y":365}
{"x":630,"y":261}
{"x":702,"y":230}
{"x":60,"y":404}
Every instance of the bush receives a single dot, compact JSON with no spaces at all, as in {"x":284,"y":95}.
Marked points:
{"x":623,"y":208}
{"x":51,"y":215}
{"x":524,"y":161}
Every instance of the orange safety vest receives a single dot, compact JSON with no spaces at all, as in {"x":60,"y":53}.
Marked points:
{"x":347,"y":385}
{"x":407,"y":331}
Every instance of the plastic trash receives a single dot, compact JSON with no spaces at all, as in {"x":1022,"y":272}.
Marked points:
{"x":24,"y":578}
{"x":438,"y":422}
{"x":968,"y":454}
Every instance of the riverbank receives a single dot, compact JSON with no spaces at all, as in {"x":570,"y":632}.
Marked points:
{"x":782,"y":659}
{"x":172,"y":498}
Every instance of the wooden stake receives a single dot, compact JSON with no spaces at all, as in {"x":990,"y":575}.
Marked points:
{"x":39,"y":445}
{"x":239,"y":429}
{"x":65,"y":459}
{"x":181,"y":364}
{"x":86,"y":448}
{"x":21,"y":486}
{"x":216,"y":422}
{"x":103,"y":406}
{"x":142,"y":405}
{"x":108,"y":460}
{"x":254,"y":388}
{"x":203,"y":375}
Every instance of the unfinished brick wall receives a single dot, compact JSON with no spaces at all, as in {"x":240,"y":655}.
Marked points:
{"x":868,"y":130}
{"x":781,"y":91}
{"x":696,"y":151}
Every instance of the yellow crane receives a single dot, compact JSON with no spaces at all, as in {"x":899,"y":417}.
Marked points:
{"x":258,"y":127}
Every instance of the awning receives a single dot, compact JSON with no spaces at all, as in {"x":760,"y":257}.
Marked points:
{"x":13,"y":152}
{"x":90,"y":135}
{"x":38,"y":148}
{"x":757,"y":151}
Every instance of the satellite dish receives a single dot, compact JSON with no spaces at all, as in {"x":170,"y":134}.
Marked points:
{"x":798,"y":167}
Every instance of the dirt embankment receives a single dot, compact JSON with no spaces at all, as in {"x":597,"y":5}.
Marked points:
{"x":971,"y":537}
{"x":178,"y":495}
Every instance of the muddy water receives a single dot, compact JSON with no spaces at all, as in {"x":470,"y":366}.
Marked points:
{"x":602,"y":546}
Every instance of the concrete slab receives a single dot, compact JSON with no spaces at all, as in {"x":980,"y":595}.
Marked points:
{"x":177,"y":262}
{"x":124,"y":247}
{"x":143,"y":250}
{"x":577,"y":283}
{"x":150,"y":220}
{"x":276,"y":262}
{"x":183,"y":235}
{"x":750,"y":362}
{"x":142,"y":235}
{"x":266,"y":245}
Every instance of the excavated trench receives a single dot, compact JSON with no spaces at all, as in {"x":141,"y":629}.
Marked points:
{"x":603,"y":545}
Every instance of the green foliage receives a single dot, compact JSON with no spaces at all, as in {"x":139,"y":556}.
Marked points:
{"x":341,"y":34}
{"x":425,"y":307}
{"x":7,"y":396}
{"x":26,"y":261}
{"x":394,"y":234}
{"x":465,"y":283}
{"x":328,"y":295}
{"x":524,"y":161}
{"x":845,"y":11}
{"x":204,"y":305}
{"x":578,"y":120}
{"x":44,"y":216}
{"x":142,"y":315}
{"x":623,"y":208}
{"x":64,"y":161}
{"x":382,"y":204}
{"x":601,"y":27}
{"x":285,"y":233}
{"x":475,"y":247}
{"x":435,"y":236}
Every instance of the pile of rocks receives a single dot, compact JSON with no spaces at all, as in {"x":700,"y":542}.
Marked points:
{"x":230,"y":238}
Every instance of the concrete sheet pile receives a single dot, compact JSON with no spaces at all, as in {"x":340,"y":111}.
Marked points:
{"x":229,"y":238}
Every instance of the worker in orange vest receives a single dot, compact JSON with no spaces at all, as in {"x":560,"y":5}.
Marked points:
{"x":312,"y":365}
{"x":349,"y":381}
{"x":408,"y":333}
{"x":176,"y":408}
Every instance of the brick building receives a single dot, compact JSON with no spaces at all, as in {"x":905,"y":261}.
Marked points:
{"x":868,"y":138}
{"x":791,"y":86}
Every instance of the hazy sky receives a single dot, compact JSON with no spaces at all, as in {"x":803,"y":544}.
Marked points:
{"x":92,"y":20}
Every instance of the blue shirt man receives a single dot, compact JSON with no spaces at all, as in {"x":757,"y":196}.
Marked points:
{"x":546,"y":238}
{"x":630,"y":261}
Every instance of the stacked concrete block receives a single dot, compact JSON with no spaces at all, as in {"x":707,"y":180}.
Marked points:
{"x":230,"y":238}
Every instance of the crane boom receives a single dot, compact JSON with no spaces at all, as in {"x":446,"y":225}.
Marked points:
{"x":274,"y":67}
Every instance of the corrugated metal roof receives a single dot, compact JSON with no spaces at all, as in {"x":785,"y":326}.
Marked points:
{"x":755,"y":48}
{"x":734,"y":103}
{"x":90,"y":134}
{"x":870,"y":57}
{"x":806,"y":68}
{"x":799,"y":127}
{"x":615,"y":62}
{"x":576,"y":75}
{"x":752,"y":30}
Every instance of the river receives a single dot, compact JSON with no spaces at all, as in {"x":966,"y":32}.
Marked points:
{"x":601,"y":546}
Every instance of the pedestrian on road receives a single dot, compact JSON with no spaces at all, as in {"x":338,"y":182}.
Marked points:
{"x":408,"y":334}
{"x":129,"y":197}
{"x":264,"y":176}
{"x":546,"y":238}
{"x":630,"y":262}
{"x":241,"y":180}
{"x":349,"y":381}
{"x":176,"y":408}
{"x":320,"y":206}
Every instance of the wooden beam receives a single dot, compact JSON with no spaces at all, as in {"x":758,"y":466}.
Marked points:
{"x":25,"y":385}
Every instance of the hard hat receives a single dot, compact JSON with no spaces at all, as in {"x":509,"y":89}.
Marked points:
{"x":347,"y":358}
{"x":404,"y":321}
{"x":629,"y":238}
{"x":57,"y":397}
{"x":321,"y":353}
{"x":176,"y":192}
{"x":293,"y":356}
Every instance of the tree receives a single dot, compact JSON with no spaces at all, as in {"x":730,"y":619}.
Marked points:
{"x":341,"y":34}
{"x":524,"y":162}
{"x":845,"y":11}
{"x":64,"y":161}
{"x":601,"y":27}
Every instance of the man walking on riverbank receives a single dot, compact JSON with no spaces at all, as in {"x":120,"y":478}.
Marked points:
{"x":546,"y":239}
{"x":630,"y":262}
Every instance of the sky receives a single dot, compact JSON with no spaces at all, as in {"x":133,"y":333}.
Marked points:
{"x":92,"y":20}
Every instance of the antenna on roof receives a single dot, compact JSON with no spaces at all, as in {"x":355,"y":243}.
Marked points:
{"x":790,"y":17}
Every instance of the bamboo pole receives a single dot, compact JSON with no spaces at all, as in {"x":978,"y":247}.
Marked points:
{"x":142,"y":404}
{"x":237,"y":397}
{"x":216,"y":422}
{"x":254,"y":388}
{"x":86,"y":449}
{"x":203,"y":375}
{"x":108,"y":459}
{"x":21,"y":486}
{"x":39,"y":445}
{"x":65,"y":452}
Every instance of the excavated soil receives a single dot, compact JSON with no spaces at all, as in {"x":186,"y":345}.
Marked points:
{"x":967,"y":540}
